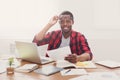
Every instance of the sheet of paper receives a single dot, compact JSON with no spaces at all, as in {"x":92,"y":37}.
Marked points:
{"x":42,"y":49}
{"x":64,"y":64}
{"x":109,"y":63}
{"x":85,"y":77}
{"x":73,"y":72}
{"x":59,"y":53}
{"x":103,"y":76}
{"x":2,"y":66}
{"x":98,"y":76}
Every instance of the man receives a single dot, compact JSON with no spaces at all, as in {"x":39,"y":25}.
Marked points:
{"x":65,"y":37}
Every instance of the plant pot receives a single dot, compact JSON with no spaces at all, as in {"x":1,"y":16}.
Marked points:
{"x":10,"y":70}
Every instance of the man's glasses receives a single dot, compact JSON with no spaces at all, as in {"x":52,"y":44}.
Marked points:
{"x":65,"y":21}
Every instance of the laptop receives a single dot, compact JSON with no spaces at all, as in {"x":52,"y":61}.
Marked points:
{"x":29,"y":52}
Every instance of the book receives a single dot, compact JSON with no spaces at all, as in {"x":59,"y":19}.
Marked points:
{"x":27,"y":68}
{"x":48,"y":70}
{"x":66,"y":64}
{"x":109,"y":63}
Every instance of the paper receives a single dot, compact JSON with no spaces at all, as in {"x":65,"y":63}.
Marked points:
{"x":2,"y":66}
{"x":60,"y":53}
{"x":64,"y":64}
{"x":98,"y":76}
{"x":42,"y":49}
{"x":103,"y":76}
{"x":109,"y":63}
{"x":85,"y":77}
{"x":85,"y":64}
{"x":73,"y":72}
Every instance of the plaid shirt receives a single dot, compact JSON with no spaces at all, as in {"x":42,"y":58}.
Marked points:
{"x":78,"y":42}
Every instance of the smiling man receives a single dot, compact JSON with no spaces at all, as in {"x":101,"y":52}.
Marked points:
{"x":65,"y":37}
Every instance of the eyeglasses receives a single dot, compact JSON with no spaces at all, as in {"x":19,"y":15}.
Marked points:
{"x":65,"y":21}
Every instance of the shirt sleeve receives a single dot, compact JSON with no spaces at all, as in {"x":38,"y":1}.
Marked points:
{"x":45,"y":40}
{"x":85,"y":46}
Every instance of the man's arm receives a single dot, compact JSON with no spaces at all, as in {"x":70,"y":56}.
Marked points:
{"x":75,"y":58}
{"x":42,"y":33}
{"x":83,"y":57}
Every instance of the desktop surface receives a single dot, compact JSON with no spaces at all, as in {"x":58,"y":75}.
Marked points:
{"x":56,"y":76}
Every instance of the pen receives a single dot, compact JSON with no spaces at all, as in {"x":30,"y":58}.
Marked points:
{"x":68,"y":71}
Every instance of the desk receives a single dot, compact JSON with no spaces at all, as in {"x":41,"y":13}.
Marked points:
{"x":56,"y":76}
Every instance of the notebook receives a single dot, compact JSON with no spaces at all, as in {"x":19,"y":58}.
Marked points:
{"x":48,"y":70}
{"x":27,"y":68}
{"x":29,"y":52}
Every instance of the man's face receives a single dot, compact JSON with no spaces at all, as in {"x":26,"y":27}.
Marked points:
{"x":66,"y":23}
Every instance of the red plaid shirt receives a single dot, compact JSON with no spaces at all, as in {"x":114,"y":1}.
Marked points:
{"x":78,"y":42}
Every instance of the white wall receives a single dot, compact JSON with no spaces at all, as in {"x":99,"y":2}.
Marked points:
{"x":99,"y":20}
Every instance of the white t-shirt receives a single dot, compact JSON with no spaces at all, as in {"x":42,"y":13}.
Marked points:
{"x":65,"y":41}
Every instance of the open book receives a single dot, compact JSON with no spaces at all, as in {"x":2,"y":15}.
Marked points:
{"x":27,"y":68}
{"x":66,"y":64}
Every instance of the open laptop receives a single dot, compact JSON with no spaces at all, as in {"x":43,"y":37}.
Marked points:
{"x":29,"y":52}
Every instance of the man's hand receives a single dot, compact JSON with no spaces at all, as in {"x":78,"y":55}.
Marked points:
{"x":71,"y":58}
{"x":53,"y":20}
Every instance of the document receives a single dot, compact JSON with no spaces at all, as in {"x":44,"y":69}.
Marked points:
{"x":64,"y":64}
{"x":73,"y":72}
{"x":109,"y":63}
{"x":42,"y":49}
{"x":98,"y":76}
{"x":59,"y":53}
{"x":2,"y":66}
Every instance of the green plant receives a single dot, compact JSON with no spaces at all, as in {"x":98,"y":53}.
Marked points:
{"x":11,"y":60}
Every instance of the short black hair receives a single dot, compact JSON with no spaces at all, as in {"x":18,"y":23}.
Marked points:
{"x":67,"y":13}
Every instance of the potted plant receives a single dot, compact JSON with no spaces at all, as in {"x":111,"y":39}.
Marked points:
{"x":10,"y":69}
